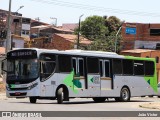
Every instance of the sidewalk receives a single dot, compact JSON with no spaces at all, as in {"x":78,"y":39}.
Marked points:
{"x":3,"y":96}
{"x":154,"y":105}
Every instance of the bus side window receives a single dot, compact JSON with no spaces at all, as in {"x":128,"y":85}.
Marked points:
{"x":128,"y":67}
{"x":48,"y":65}
{"x":101,"y":68}
{"x":65,"y":63}
{"x":138,"y":67}
{"x":107,"y":69}
{"x":93,"y":65}
{"x":81,"y":67}
{"x":149,"y":68}
{"x":74,"y":65}
{"x":117,"y":66}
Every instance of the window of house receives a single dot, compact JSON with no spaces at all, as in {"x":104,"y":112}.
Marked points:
{"x":149,"y":68}
{"x":26,"y":20}
{"x":154,"y":32}
{"x":138,"y":67}
{"x":157,"y":59}
{"x":23,"y":32}
{"x":158,"y":46}
{"x":93,"y":65}
{"x":64,"y":63}
{"x":117,"y":66}
{"x":27,"y":32}
{"x":128,"y":67}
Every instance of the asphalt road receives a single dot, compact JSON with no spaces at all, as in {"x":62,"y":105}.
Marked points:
{"x":78,"y":104}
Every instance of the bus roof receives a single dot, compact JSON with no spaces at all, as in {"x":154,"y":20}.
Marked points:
{"x":82,"y":53}
{"x":86,"y":53}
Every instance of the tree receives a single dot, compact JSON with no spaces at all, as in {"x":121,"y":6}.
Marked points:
{"x":94,"y":28}
{"x":102,"y":31}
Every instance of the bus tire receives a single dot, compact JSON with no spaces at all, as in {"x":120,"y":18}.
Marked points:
{"x":99,"y":99}
{"x":125,"y":94}
{"x":150,"y":96}
{"x":60,"y":96}
{"x":117,"y":99}
{"x":32,"y":99}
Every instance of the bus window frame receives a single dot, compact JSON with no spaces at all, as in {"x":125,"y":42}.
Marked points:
{"x":42,"y":79}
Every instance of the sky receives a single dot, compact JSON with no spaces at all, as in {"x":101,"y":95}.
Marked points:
{"x":69,"y":11}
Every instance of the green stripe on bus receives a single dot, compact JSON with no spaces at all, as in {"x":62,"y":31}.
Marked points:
{"x":139,"y":58}
{"x":68,"y":81}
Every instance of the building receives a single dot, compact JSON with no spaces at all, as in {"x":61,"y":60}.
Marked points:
{"x":147,"y":54}
{"x":140,"y":36}
{"x":37,"y":23}
{"x":68,"y":41}
{"x":59,"y":42}
{"x":47,"y":31}
{"x":20,"y":26}
{"x":70,"y":26}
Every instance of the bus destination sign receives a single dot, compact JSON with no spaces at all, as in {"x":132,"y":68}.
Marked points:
{"x":22,"y":53}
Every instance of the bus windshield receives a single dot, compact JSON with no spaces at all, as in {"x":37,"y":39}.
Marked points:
{"x":22,"y":69}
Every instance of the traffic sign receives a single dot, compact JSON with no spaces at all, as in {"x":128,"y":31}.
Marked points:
{"x":131,"y":31}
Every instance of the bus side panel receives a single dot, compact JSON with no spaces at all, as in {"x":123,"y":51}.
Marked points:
{"x":138,"y":86}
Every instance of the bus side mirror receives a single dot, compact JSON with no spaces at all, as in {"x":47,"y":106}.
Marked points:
{"x":4,"y":65}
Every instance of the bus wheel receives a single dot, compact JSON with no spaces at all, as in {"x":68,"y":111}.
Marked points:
{"x":99,"y":99}
{"x":125,"y":95}
{"x":60,"y":96}
{"x":117,"y":99}
{"x":32,"y":99}
{"x":150,"y":96}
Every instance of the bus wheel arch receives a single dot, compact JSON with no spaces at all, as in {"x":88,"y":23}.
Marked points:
{"x":125,"y":94}
{"x":62,"y":89}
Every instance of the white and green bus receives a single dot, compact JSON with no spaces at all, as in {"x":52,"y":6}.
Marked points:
{"x":61,"y":75}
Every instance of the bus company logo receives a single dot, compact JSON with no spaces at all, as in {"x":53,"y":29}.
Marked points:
{"x":96,"y":79}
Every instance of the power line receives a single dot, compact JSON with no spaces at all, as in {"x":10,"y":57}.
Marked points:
{"x":96,"y":8}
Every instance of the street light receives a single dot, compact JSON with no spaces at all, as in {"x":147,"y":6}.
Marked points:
{"x":115,"y":49}
{"x":79,"y":28}
{"x":19,"y":8}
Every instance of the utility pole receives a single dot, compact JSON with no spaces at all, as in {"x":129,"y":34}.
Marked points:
{"x":8,"y":39}
{"x":79,"y":29}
